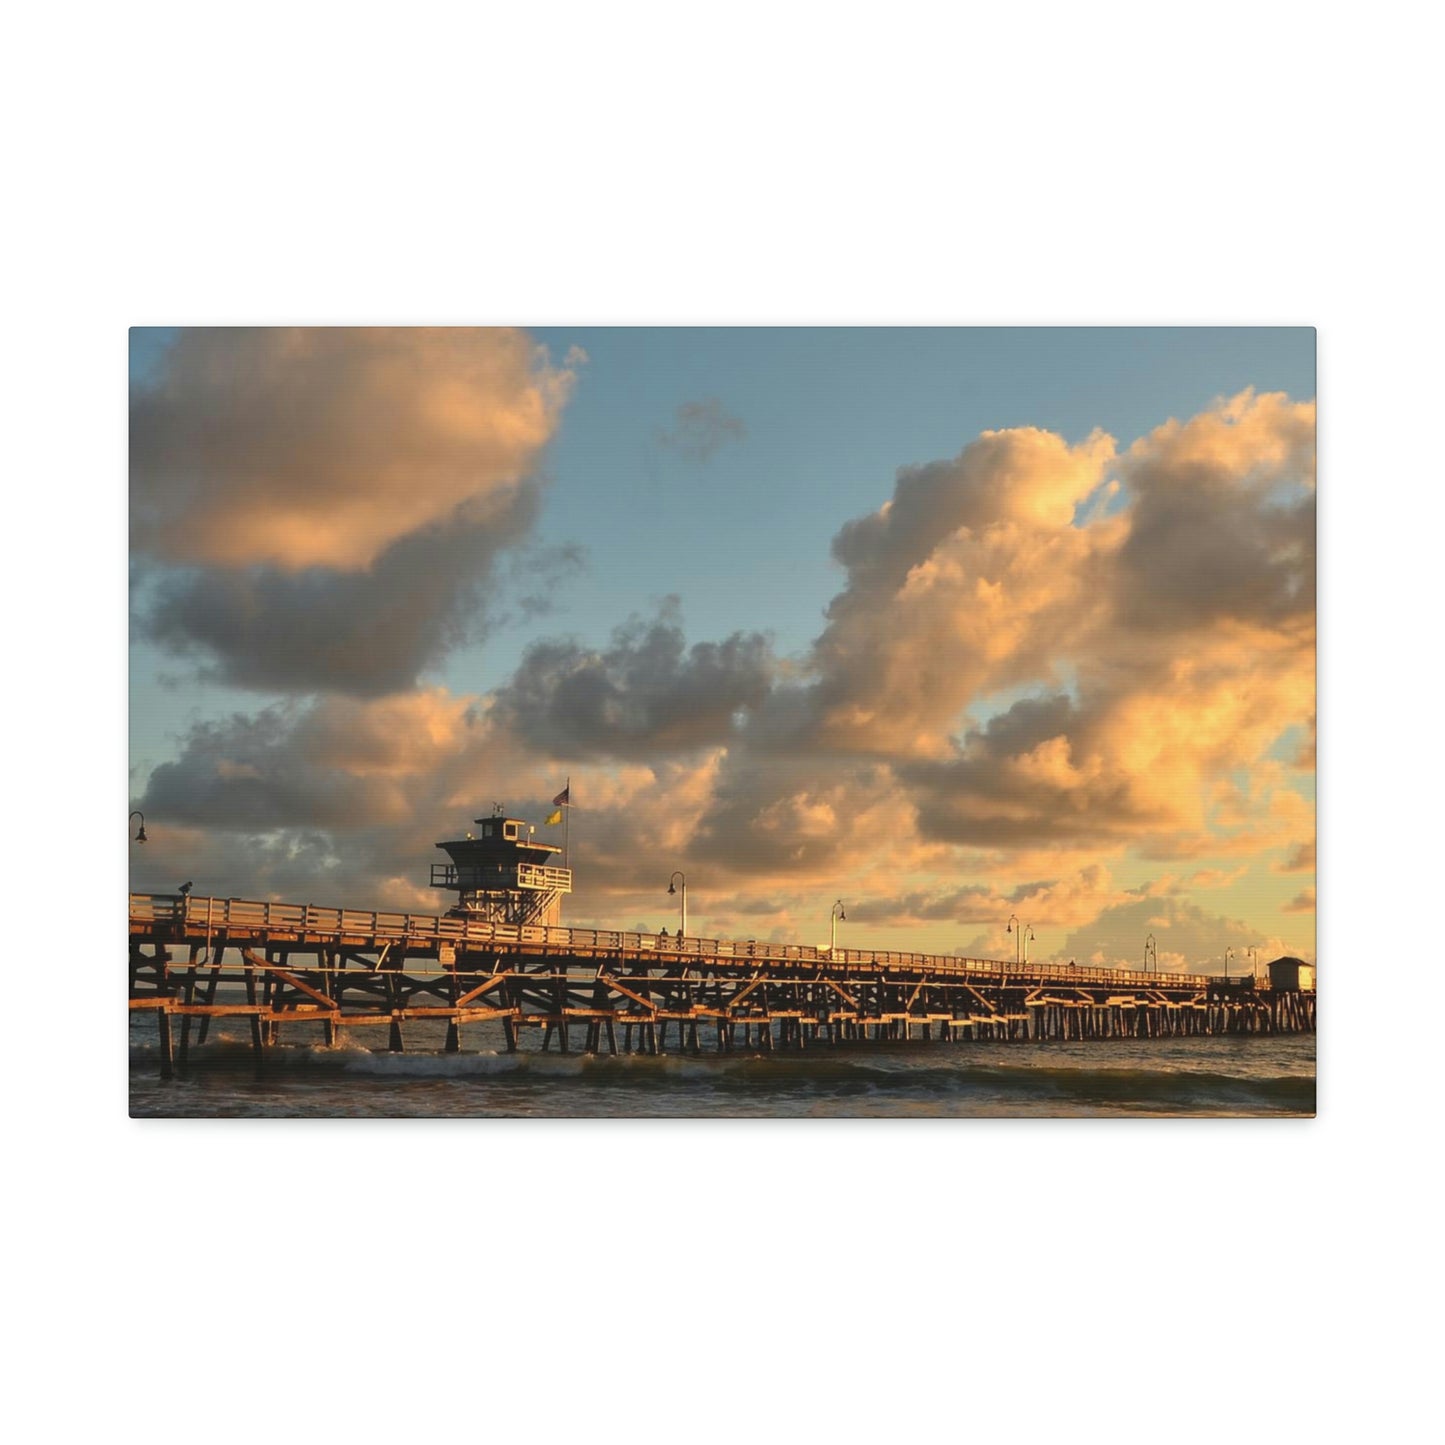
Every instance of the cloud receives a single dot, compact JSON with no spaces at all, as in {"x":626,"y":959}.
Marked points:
{"x":970,"y":579}
{"x":338,"y":764}
{"x":323,"y":447}
{"x":1027,"y":777}
{"x":1055,"y":903}
{"x":988,"y":719}
{"x":345,"y":799}
{"x":1111,"y":682}
{"x":321,"y":509}
{"x":1182,"y":931}
{"x":646,"y":695}
{"x":1223,"y":517}
{"x":700,"y":429}
{"x":1302,"y":902}
{"x":366,"y":633}
{"x":1217,"y":877}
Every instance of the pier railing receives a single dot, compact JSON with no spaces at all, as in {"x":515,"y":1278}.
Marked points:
{"x":192,"y":916}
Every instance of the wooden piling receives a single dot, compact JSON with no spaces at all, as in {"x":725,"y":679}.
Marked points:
{"x":163,"y":1023}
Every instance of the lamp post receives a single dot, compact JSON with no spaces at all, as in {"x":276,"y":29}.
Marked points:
{"x":1254,"y":961}
{"x":1228,"y":953}
{"x":671,"y":888}
{"x":140,"y":834}
{"x":1151,"y":950}
{"x":1026,"y":936}
{"x":1013,"y":918}
{"x":834,"y":914}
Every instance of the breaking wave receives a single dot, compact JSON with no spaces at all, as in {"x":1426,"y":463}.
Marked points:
{"x":955,"y":1079}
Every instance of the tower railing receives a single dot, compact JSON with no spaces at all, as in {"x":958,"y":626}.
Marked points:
{"x":501,"y":880}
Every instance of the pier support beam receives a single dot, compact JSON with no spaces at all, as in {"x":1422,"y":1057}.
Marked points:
{"x":163,"y":1026}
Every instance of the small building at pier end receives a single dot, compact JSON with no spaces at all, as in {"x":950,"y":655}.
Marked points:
{"x":501,"y":874}
{"x":1291,"y":974}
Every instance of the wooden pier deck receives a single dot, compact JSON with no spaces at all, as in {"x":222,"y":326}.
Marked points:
{"x":328,"y":969}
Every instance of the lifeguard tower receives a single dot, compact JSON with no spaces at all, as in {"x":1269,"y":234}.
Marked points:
{"x":501,"y":874}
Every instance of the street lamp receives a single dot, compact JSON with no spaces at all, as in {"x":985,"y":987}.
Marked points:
{"x":678,"y":873}
{"x":1151,"y":949}
{"x":1254,"y":961}
{"x":1228,"y":953}
{"x":1026,"y":936}
{"x":834,"y":914}
{"x":1013,"y":918}
{"x":140,"y":834}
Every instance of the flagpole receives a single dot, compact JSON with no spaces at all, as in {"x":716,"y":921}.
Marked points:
{"x":567,"y":825}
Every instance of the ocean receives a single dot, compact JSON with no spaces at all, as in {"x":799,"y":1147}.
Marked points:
{"x":1245,"y":1076}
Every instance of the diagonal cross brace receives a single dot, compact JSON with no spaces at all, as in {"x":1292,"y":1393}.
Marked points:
{"x":482,"y":988}
{"x":288,"y":977}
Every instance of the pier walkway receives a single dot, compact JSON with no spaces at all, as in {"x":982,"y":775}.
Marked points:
{"x":329,"y":969}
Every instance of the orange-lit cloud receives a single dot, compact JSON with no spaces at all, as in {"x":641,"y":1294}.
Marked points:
{"x":971,"y":578}
{"x":323,"y":447}
{"x":320,"y":510}
{"x":1060,"y":902}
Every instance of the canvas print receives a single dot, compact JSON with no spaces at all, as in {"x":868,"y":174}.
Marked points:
{"x":743,"y":722}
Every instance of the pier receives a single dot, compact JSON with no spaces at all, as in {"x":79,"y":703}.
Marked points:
{"x":312,"y":972}
{"x":500,"y":956}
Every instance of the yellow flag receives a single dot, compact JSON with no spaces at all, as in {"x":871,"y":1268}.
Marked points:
{"x":556,"y":817}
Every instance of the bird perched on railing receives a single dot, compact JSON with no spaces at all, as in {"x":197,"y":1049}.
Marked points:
{"x":185,"y":889}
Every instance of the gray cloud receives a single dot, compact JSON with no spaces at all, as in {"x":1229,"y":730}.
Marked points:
{"x":647,"y":694}
{"x":256,"y":774}
{"x":1223,"y":518}
{"x":799,"y":817}
{"x":360,"y":632}
{"x":700,"y":429}
{"x":1206,"y":553}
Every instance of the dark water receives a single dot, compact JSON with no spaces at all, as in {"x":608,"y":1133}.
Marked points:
{"x":1148,"y":1077}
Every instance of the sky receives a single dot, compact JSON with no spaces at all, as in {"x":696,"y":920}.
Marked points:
{"x":961,"y":627}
